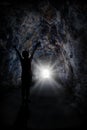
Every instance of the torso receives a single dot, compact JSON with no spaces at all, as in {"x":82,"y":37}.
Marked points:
{"x":26,"y":69}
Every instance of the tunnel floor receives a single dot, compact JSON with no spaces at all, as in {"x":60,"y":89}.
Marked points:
{"x":45,"y":110}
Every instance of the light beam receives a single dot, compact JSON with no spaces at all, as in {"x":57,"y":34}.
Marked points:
{"x":45,"y":73}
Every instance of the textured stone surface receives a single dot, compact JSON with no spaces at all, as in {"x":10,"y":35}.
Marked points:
{"x":62,"y":30}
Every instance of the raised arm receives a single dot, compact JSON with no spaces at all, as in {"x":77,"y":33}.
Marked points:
{"x":34,"y":50}
{"x":18,"y":52}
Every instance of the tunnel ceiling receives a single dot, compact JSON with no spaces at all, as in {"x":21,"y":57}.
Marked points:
{"x":60,"y":27}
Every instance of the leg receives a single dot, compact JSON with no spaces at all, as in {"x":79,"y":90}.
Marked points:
{"x":23,"y":94}
{"x":27,"y":92}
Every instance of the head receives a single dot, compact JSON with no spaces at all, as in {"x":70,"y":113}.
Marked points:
{"x":25,"y":54}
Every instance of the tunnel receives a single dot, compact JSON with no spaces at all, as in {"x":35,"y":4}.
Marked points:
{"x":58,"y":95}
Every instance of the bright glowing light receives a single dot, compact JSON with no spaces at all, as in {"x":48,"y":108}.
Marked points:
{"x":45,"y":73}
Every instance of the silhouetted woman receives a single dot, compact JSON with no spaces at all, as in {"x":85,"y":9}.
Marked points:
{"x":26,"y":71}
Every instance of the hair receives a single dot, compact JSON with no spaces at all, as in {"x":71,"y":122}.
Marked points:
{"x":25,"y":54}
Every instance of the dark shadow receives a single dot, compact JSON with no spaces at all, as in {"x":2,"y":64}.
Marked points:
{"x":23,"y":117}
{"x":26,"y":76}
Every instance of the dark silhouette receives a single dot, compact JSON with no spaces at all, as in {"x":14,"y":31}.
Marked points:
{"x":26,"y":71}
{"x":23,"y":117}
